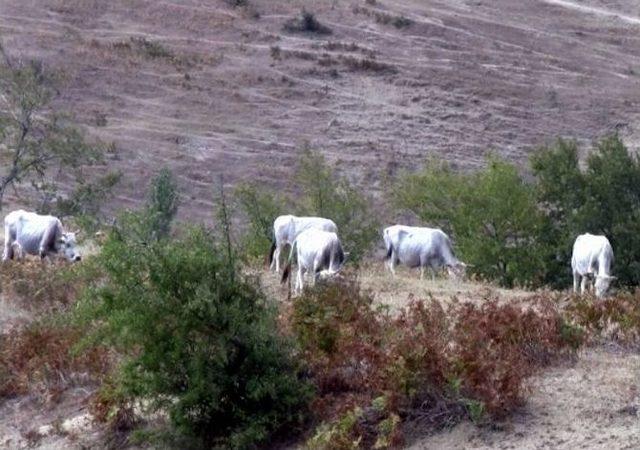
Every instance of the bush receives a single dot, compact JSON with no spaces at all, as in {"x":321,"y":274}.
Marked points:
{"x":325,"y":194}
{"x":614,"y":318}
{"x":261,"y":208}
{"x":86,"y":201}
{"x":199,"y":341}
{"x":305,"y":23}
{"x":162,"y":203}
{"x":40,"y":359}
{"x":432,"y":364}
{"x":492,"y":215}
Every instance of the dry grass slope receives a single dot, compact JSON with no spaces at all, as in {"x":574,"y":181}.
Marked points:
{"x":195,"y":85}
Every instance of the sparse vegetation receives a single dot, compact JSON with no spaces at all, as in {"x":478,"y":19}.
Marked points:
{"x":85,"y":202}
{"x":35,"y":140}
{"x":383,"y":17}
{"x":306,"y":23}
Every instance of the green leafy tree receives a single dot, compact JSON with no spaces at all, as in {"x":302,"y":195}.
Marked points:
{"x":198,"y":340}
{"x":35,"y":141}
{"x":326,"y":194}
{"x":602,"y":199}
{"x":561,"y":193}
{"x":491,"y":214}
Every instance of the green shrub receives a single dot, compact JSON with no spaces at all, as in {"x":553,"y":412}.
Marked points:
{"x":305,"y":23}
{"x":162,"y":203}
{"x":199,"y":341}
{"x":261,"y":207}
{"x":492,"y":215}
{"x":86,"y":202}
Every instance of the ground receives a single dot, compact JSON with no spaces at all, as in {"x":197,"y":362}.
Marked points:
{"x":217,"y":90}
{"x":589,"y":402}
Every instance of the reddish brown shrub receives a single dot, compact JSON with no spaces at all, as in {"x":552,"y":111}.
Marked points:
{"x":39,"y":359}
{"x":613,"y":318}
{"x":432,"y":364}
{"x":41,"y":287}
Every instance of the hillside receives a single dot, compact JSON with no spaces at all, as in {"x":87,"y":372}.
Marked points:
{"x":209,"y":89}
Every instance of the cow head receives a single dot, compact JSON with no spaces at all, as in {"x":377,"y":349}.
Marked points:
{"x":67,"y":247}
{"x":328,"y":274}
{"x":602,"y":284}
{"x":457,"y":271}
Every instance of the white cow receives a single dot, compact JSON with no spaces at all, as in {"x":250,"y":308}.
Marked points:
{"x":592,"y":257}
{"x":287,"y":228}
{"x":318,"y":252}
{"x":33,"y":234}
{"x":421,"y":247}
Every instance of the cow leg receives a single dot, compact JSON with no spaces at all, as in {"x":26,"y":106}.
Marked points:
{"x":392,"y":263}
{"x":422,"y":272}
{"x":583,"y":284}
{"x":299,"y":280}
{"x":576,"y":281}
{"x":276,"y":259}
{"x":8,"y":246}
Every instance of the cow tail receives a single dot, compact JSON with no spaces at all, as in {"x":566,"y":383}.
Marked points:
{"x":272,"y":251}
{"x":287,"y":268}
{"x":340,"y":255}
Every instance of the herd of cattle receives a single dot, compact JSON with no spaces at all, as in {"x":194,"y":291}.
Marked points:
{"x":315,"y":243}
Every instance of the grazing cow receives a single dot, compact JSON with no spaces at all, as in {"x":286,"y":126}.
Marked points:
{"x":287,"y":228}
{"x":33,"y":234}
{"x":317,"y":251}
{"x":592,"y":257}
{"x":421,"y":247}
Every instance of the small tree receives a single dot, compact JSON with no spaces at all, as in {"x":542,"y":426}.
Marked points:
{"x":326,"y":194}
{"x":35,"y":140}
{"x":198,"y":339}
{"x":86,"y":201}
{"x":162,"y":202}
{"x":603,"y":199}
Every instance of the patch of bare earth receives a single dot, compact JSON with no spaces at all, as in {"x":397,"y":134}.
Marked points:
{"x":233,"y":93}
{"x":592,"y":404}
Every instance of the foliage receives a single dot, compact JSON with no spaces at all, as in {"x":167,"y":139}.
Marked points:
{"x":39,"y":359}
{"x":261,"y":208}
{"x":35,"y":141}
{"x":602,"y":199}
{"x":326,"y":194}
{"x":86,"y":201}
{"x":492,"y":215}
{"x":199,"y":341}
{"x":306,"y":23}
{"x":162,"y":203}
{"x":614,"y":318}
{"x":431,"y":364}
